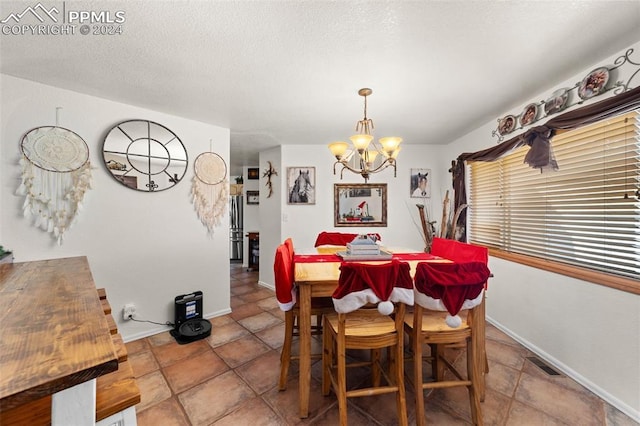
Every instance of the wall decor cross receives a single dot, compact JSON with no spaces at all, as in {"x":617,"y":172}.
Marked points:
{"x":271,"y":171}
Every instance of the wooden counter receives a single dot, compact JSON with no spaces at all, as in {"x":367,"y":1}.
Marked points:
{"x":53,"y":333}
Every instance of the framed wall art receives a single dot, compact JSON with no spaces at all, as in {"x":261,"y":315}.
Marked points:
{"x":253,"y":173}
{"x":301,"y":185}
{"x":360,"y":204}
{"x":420,"y":186}
{"x":507,"y":124}
{"x":529,"y":114}
{"x":253,"y":197}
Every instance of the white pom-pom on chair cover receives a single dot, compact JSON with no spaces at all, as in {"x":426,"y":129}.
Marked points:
{"x":450,"y":287}
{"x":56,"y":173}
{"x":385,"y":307}
{"x":209,"y":189}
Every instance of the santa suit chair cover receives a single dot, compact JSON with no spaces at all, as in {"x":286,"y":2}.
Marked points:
{"x":450,"y":287}
{"x":289,"y":243}
{"x":284,"y":278}
{"x":361,"y":283}
{"x":460,"y":252}
{"x":338,"y":238}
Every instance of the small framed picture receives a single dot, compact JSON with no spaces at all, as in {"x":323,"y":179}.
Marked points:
{"x":420,"y":183}
{"x":253,"y":173}
{"x":301,"y":185}
{"x":253,"y":197}
{"x":529,"y":114}
{"x":507,"y":124}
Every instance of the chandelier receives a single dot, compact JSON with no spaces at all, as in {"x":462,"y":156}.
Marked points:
{"x":371,"y":157}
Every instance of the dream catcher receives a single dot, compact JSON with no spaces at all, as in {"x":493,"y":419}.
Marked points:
{"x":209,"y":189}
{"x":56,"y":173}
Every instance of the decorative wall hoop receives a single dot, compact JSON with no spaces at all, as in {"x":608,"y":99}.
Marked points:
{"x":56,"y":173}
{"x":54,"y":149}
{"x":209,"y":189}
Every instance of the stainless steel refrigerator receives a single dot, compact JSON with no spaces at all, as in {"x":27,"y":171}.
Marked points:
{"x":235,"y":227}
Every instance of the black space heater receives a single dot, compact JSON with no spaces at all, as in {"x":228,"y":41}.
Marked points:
{"x":189,"y":324}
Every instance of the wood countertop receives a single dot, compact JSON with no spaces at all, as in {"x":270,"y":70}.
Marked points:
{"x":53,"y":333}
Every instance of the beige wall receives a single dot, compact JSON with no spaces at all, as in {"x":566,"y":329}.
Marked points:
{"x":144,"y":248}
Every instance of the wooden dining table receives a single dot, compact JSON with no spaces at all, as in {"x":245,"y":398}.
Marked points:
{"x":55,"y":338}
{"x":316,"y":274}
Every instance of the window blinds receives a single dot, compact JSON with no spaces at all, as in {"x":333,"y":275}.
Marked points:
{"x":586,"y":214}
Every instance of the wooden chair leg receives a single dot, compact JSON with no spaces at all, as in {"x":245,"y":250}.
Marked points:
{"x":474,"y":375}
{"x":437,"y":366}
{"x":375,"y":367}
{"x":401,"y":397}
{"x":341,"y":380}
{"x":481,"y":353}
{"x":327,"y":359}
{"x":417,"y":381}
{"x":285,"y":354}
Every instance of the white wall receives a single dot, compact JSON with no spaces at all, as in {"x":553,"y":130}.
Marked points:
{"x":589,"y":331}
{"x":270,"y":211}
{"x":304,"y":222}
{"x":144,"y":248}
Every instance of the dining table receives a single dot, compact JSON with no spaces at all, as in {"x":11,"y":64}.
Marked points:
{"x":316,"y":275}
{"x":55,"y":338}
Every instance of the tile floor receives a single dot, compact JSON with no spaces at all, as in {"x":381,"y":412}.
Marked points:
{"x":230,"y":379}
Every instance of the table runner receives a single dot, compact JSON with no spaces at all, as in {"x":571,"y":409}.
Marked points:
{"x":315,"y":258}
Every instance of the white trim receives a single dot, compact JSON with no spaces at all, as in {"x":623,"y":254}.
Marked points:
{"x":357,"y":299}
{"x":266,"y":285}
{"x":156,"y":330}
{"x":287,"y":306}
{"x":429,"y":302}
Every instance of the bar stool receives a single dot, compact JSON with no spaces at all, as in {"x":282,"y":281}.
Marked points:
{"x":458,"y":251}
{"x":442,"y":290}
{"x":354,"y":326}
{"x":283,"y":268}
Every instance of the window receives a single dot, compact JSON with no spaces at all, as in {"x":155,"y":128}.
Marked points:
{"x":587,"y":214}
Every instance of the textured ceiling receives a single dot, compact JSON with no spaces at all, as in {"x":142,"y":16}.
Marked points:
{"x":287,"y":72}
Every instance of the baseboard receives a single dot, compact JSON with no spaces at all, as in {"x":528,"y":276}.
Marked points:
{"x":602,"y":393}
{"x":265,"y":285}
{"x":159,"y":330}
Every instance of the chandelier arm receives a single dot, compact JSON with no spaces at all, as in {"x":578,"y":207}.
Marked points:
{"x":386,"y":163}
{"x":346,"y":166}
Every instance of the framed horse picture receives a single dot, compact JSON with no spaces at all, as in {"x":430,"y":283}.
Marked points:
{"x":301,"y":185}
{"x":420,"y":183}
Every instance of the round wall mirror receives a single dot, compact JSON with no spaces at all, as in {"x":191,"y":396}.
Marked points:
{"x":144,"y":155}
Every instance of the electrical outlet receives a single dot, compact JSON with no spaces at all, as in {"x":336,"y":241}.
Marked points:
{"x":128,"y":311}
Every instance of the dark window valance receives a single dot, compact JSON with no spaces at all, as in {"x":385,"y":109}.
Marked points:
{"x":538,"y":138}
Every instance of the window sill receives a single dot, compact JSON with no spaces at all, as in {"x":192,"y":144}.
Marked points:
{"x":619,"y":283}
